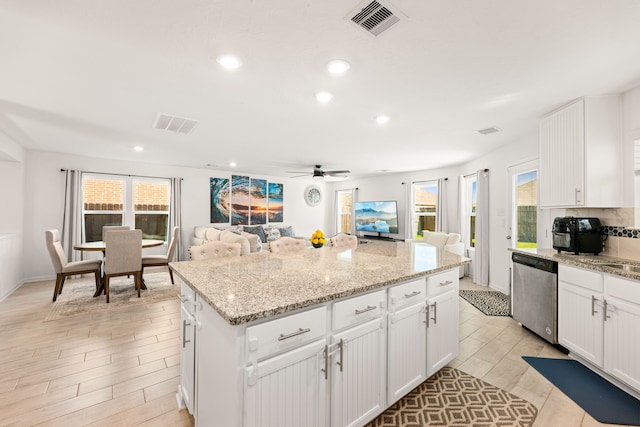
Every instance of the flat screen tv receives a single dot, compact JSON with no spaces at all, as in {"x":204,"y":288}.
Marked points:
{"x":377,"y":217}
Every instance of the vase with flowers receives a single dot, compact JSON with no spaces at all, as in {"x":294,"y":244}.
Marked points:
{"x":317,"y":239}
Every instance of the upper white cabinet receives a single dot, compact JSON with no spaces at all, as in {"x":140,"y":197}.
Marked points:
{"x":581,"y":154}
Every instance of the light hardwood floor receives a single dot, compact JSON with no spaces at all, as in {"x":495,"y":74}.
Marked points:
{"x":122,"y":369}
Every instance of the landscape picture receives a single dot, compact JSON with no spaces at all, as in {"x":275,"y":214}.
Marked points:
{"x":240,"y":200}
{"x":258,"y":201}
{"x":377,"y":217}
{"x":219,"y":191}
{"x":276,"y":202}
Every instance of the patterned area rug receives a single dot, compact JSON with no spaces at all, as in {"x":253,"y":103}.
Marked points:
{"x":454,"y":398}
{"x":77,"y":295}
{"x":491,"y":303}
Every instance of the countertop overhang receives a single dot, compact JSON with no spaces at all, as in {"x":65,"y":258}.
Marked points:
{"x":247,"y":288}
{"x":590,"y":262}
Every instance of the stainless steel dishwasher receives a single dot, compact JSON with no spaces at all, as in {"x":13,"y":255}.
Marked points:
{"x":535,"y":295}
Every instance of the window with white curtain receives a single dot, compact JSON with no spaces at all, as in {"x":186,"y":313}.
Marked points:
{"x":138,"y":202}
{"x":469,"y":210}
{"x":425,"y":207}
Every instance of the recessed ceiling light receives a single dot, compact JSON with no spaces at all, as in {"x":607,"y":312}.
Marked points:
{"x":138,"y":148}
{"x":382,"y":119}
{"x":229,"y":61}
{"x":323,"y":96}
{"x":232,"y":164}
{"x":338,"y":66}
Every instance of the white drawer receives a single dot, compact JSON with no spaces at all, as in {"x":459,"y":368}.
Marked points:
{"x":358,"y":309}
{"x":580,"y":277}
{"x":624,"y":289}
{"x":407,"y":293}
{"x":442,"y":282}
{"x":187,"y":295}
{"x":285,"y":333}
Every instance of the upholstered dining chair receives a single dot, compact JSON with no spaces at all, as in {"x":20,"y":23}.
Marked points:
{"x":106,"y":228}
{"x":287,"y":244}
{"x":163,"y":260}
{"x":123,"y":257}
{"x":215,"y":249}
{"x":65,"y":268}
{"x":343,"y":240}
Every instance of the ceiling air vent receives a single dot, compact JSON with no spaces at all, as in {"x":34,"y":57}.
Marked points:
{"x":374,"y":17}
{"x":174,"y":124}
{"x":488,"y":131}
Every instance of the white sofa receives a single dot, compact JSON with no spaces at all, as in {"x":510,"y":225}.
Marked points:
{"x":449,"y":241}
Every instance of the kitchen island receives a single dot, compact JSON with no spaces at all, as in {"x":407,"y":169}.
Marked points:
{"x":321,"y":337}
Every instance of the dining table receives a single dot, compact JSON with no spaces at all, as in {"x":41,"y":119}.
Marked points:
{"x":100,"y":245}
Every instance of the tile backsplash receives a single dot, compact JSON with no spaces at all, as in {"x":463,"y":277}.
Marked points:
{"x":623,"y":240}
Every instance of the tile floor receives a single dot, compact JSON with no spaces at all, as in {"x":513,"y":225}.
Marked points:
{"x":121,"y":368}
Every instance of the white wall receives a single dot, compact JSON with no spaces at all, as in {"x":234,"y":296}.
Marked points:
{"x":12,"y":182}
{"x":44,"y":200}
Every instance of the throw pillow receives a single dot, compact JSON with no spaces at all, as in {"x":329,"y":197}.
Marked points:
{"x":231,"y":237}
{"x":272,"y":233}
{"x":254,"y":241}
{"x":287,"y":231}
{"x":212,"y":234}
{"x":255,"y":229}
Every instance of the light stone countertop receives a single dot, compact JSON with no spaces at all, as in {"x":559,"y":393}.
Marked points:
{"x":590,"y":262}
{"x":247,"y":288}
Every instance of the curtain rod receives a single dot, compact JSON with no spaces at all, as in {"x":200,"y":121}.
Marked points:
{"x":483,"y":170}
{"x":429,"y":180}
{"x":122,"y":174}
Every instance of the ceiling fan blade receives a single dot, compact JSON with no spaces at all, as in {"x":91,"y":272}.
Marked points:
{"x":297,"y":172}
{"x":299,"y":176}
{"x":334,"y":173}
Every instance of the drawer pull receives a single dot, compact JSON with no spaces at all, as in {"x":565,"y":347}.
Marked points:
{"x":412,"y":294}
{"x":446,"y":283}
{"x":364,"y":310}
{"x":300,"y":331}
{"x":593,"y":305}
{"x":184,"y":333}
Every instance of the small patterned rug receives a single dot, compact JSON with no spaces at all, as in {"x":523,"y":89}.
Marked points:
{"x":454,"y":398}
{"x":491,"y":303}
{"x":77,"y":295}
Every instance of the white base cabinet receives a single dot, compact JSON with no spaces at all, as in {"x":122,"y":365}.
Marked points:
{"x":598,"y":322}
{"x":336,"y":364}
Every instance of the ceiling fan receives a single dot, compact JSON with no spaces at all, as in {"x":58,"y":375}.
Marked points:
{"x":318,"y":173}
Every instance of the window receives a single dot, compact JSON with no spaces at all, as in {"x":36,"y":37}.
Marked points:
{"x":141,"y":203}
{"x":469,"y":211}
{"x":344,"y":209}
{"x":525,"y":220}
{"x":425,"y":207}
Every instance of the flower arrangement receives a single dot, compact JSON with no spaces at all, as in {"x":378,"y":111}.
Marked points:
{"x":317,"y":239}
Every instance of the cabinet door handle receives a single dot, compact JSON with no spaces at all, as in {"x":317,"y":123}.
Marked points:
{"x":184,"y":333}
{"x":326,"y":362}
{"x":300,"y":331}
{"x":435,"y":312}
{"x":427,"y":312}
{"x":578,"y":191}
{"x":341,"y":347}
{"x":364,"y":310}
{"x":412,"y":294}
{"x":606,"y":314}
{"x":593,"y":305}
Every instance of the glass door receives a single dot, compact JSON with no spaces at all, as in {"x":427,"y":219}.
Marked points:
{"x":523,"y":229}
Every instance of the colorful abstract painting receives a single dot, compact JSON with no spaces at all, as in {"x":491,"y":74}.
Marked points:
{"x":276,"y":202}
{"x":240,"y":200}
{"x":258,"y":209}
{"x":219,"y":190}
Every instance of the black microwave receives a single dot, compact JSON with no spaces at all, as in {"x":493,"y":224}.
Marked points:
{"x":577,"y":235}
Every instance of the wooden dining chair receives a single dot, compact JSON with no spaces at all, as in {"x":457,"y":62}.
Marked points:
{"x":123,"y":257}
{"x":65,"y":268}
{"x":163,"y":260}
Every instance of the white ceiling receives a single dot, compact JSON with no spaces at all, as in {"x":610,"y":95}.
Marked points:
{"x":90,"y":76}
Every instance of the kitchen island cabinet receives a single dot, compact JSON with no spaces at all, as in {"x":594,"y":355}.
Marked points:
{"x":273,"y":357}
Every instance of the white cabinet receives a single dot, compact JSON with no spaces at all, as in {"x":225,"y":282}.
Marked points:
{"x":580,"y":308}
{"x":580,"y":154}
{"x":621,"y":326}
{"x":186,"y":389}
{"x":407,"y":338}
{"x":599,"y":320}
{"x":442,"y":320}
{"x":287,"y":390}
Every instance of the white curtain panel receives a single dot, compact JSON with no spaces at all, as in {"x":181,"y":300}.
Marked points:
{"x":481,"y":262}
{"x":71,"y":232}
{"x":442,"y":223}
{"x":175,"y":215}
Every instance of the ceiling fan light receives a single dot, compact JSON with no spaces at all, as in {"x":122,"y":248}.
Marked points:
{"x":317,"y":177}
